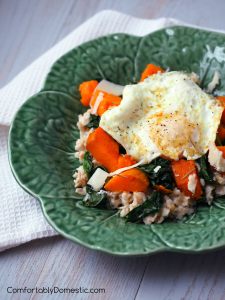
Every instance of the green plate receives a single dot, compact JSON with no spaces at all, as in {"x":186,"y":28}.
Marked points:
{"x":43,"y":135}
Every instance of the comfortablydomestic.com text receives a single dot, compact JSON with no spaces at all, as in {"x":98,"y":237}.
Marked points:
{"x":54,"y":290}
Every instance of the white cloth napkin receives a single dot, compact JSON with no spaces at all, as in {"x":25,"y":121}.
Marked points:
{"x":21,"y":219}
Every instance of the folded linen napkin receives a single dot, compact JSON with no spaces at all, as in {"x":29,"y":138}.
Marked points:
{"x":21,"y":219}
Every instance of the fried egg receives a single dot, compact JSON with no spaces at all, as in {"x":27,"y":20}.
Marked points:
{"x":167,"y":114}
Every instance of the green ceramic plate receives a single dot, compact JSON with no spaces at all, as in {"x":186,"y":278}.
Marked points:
{"x":43,"y":135}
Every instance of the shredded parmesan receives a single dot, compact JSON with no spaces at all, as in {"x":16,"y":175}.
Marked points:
{"x":109,"y":87}
{"x":126,"y":168}
{"x":156,"y":170}
{"x":216,"y":159}
{"x":98,"y":179}
{"x":99,"y":99}
{"x":215,"y":81}
{"x":192,"y":183}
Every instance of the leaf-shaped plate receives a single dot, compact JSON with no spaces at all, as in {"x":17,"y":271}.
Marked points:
{"x":43,"y":135}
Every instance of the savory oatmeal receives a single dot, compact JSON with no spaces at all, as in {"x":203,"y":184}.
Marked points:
{"x":151,"y":150}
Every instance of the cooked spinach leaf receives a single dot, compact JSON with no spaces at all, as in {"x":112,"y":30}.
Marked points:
{"x":152,"y":205}
{"x":87,"y":164}
{"x":219,"y":141}
{"x":93,"y":198}
{"x":164,"y":176}
{"x":205,"y":169}
{"x":122,"y":149}
{"x":94,"y":121}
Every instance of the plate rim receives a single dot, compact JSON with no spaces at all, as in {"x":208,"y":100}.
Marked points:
{"x":162,"y":248}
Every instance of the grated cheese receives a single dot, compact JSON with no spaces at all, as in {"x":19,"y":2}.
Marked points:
{"x":156,"y":170}
{"x":110,"y":87}
{"x":215,"y":81}
{"x":216,"y":159}
{"x":98,"y":179}
{"x":99,"y":99}
{"x":192,"y":183}
{"x":127,"y":168}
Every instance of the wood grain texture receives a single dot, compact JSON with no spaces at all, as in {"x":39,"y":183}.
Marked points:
{"x":28,"y":29}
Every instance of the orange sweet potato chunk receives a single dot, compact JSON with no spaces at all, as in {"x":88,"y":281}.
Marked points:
{"x":150,"y":70}
{"x":132,"y":180}
{"x":86,"y":90}
{"x":103,"y":148}
{"x":181,"y":170}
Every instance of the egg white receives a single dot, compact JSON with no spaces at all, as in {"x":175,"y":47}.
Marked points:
{"x":168,"y":114}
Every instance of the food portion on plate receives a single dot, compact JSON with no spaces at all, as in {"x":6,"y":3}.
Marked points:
{"x":153,"y":150}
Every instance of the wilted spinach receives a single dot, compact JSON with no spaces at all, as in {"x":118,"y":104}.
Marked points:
{"x":88,"y":164}
{"x":94,"y":121}
{"x":93,"y":198}
{"x":164,"y":176}
{"x":219,"y":141}
{"x":152,"y":205}
{"x":205,"y":170}
{"x":122,"y":150}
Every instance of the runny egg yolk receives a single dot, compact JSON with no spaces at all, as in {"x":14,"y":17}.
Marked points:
{"x":173,"y":134}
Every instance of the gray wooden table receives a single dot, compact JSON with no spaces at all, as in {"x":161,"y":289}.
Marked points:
{"x":27,"y":29}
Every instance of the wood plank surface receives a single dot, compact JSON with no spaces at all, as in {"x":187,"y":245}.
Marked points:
{"x":27,"y":29}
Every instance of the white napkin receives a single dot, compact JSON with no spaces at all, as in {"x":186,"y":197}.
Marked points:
{"x":21,"y":219}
